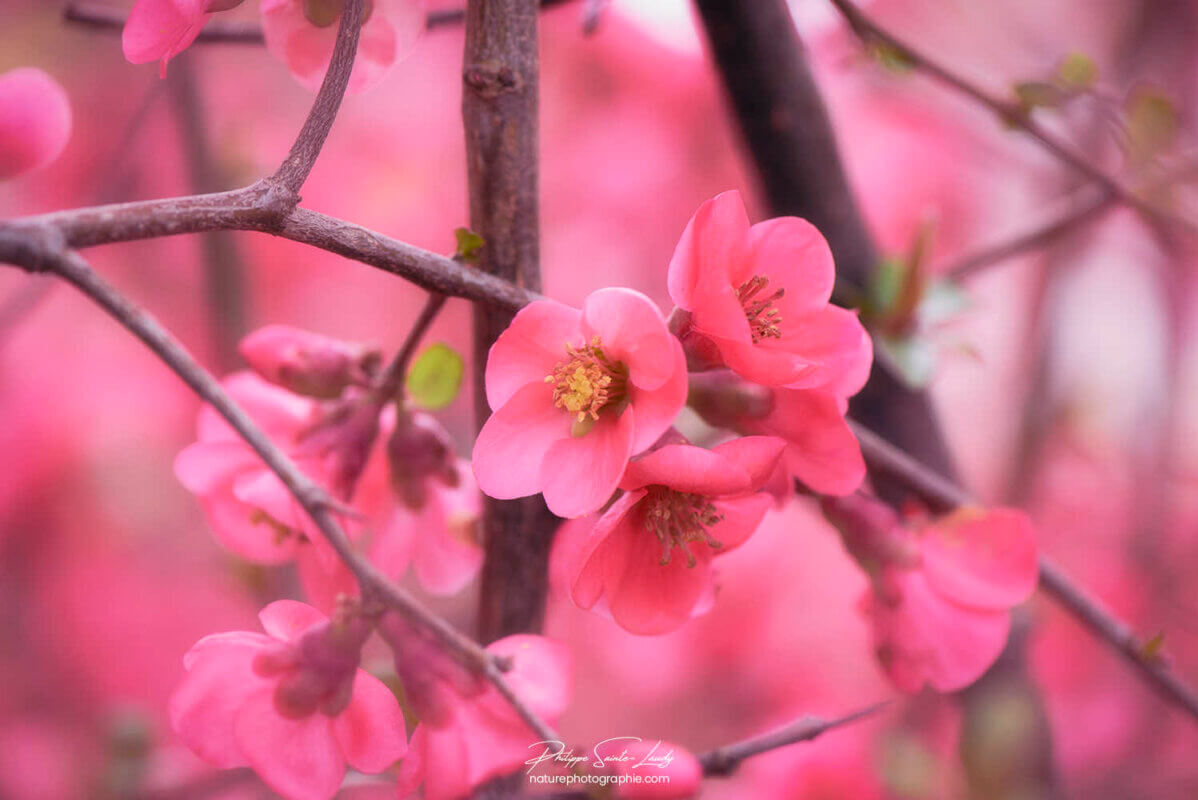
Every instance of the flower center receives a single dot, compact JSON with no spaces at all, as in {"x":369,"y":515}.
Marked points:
{"x":679,"y":518}
{"x":764,"y":318}
{"x":587,"y":381}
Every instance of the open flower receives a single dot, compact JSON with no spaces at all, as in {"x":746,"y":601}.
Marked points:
{"x":941,"y":593}
{"x":756,"y":299}
{"x":648,"y":557}
{"x":575,"y":395}
{"x":35,"y":121}
{"x":303,"y":33}
{"x":251,"y":511}
{"x":468,"y":733}
{"x":291,"y":703}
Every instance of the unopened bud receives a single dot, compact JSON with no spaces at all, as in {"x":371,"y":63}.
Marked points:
{"x":343,"y":439}
{"x":872,"y":532}
{"x":308,"y":363}
{"x":419,"y":449}
{"x":725,"y":401}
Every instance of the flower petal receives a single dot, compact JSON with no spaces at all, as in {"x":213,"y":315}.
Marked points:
{"x":529,"y":349}
{"x":657,"y":409}
{"x":579,"y":473}
{"x":298,"y":758}
{"x":985,"y":559}
{"x":821,"y":451}
{"x":758,"y":456}
{"x":371,"y":728}
{"x":741,"y":518}
{"x":795,"y":257}
{"x":686,"y":468}
{"x":633,"y":331}
{"x":653,"y":598}
{"x":594,"y":561}
{"x":288,"y":619}
{"x":516,"y":440}
{"x":712,"y":244}
{"x":834,"y":340}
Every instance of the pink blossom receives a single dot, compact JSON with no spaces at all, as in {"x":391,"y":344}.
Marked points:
{"x":304,"y":41}
{"x":941,"y":593}
{"x":290,"y":703}
{"x":682,"y":771}
{"x":756,"y":300}
{"x":250,"y":510}
{"x":575,"y":395}
{"x":648,"y":557}
{"x":468,"y":733}
{"x":35,"y":121}
{"x":159,"y":30}
{"x":308,"y":363}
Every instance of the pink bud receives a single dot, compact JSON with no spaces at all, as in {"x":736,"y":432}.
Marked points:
{"x":420,"y":448}
{"x":725,"y":401}
{"x":35,"y":121}
{"x":343,"y":440}
{"x":872,"y":531}
{"x":308,"y":363}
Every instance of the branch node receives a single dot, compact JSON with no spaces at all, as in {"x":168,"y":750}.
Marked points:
{"x":490,"y":79}
{"x":34,"y":248}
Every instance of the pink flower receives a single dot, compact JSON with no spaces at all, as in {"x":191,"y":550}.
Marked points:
{"x":941,"y":592}
{"x":468,"y":733}
{"x":757,"y":300}
{"x":308,"y":363}
{"x":651,"y":757}
{"x":649,"y":556}
{"x":250,"y":510}
{"x":35,"y":121}
{"x":821,"y":450}
{"x":159,"y":30}
{"x":290,"y":703}
{"x":302,"y":34}
{"x":575,"y":395}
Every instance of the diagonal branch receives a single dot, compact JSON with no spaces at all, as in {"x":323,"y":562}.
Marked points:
{"x":299,"y":162}
{"x":1010,"y":112}
{"x":48,"y":256}
{"x":724,"y":760}
{"x":941,"y":495}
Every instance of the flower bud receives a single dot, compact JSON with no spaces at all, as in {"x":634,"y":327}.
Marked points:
{"x":317,"y":670}
{"x":419,"y":449}
{"x":872,"y":532}
{"x":308,"y":363}
{"x":724,"y":400}
{"x":430,"y":677}
{"x":343,"y":439}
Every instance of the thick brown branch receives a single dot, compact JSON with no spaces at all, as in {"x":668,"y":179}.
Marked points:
{"x":499,"y":110}
{"x":941,"y":494}
{"x":724,"y":760}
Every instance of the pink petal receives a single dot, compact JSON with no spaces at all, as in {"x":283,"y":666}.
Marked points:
{"x":822,"y":451}
{"x":233,"y":523}
{"x":542,"y":671}
{"x":411,"y":769}
{"x":528,"y":350}
{"x":985,"y":559}
{"x":795,"y":257}
{"x":656,"y":410}
{"x":633,"y":331}
{"x":445,"y":560}
{"x":595,"y":560}
{"x":219,"y":679}
{"x":288,"y":619}
{"x":579,"y":473}
{"x":35,"y":121}
{"x":682,"y":775}
{"x":161,"y":29}
{"x":834,"y":340}
{"x":323,"y":584}
{"x":712,"y":245}
{"x":277,"y":411}
{"x":371,"y":729}
{"x":515,"y":440}
{"x":298,"y":758}
{"x":652,"y":598}
{"x":758,"y":456}
{"x":741,"y":518}
{"x":686,"y":468}
{"x":771,"y":362}
{"x":206,"y":467}
{"x":395,"y":543}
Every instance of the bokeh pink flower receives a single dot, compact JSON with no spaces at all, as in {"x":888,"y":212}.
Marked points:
{"x":35,"y":121}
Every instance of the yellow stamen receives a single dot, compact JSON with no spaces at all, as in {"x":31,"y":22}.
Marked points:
{"x":765,"y":320}
{"x":587,"y":381}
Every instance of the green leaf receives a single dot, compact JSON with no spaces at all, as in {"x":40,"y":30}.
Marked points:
{"x":885,"y":284}
{"x":1077,"y":72}
{"x":469,"y":243}
{"x":913,"y":358}
{"x":436,"y":377}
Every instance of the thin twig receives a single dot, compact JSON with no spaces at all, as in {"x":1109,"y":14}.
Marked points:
{"x":391,"y":380}
{"x":299,"y":162}
{"x":1009,"y":111}
{"x":942,"y":495}
{"x":46,"y":256}
{"x":724,"y":760}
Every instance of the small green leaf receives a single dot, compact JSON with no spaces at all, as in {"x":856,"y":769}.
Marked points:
{"x":1038,"y":94}
{"x":1077,"y":72}
{"x":885,"y":284}
{"x":1151,"y":650}
{"x":469,"y":243}
{"x":942,"y":300}
{"x":435,"y":378}
{"x":913,"y":358}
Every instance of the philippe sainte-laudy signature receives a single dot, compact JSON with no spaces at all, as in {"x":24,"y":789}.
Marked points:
{"x":609,"y":751}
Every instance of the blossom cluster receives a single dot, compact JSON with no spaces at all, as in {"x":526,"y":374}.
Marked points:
{"x":586,"y":412}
